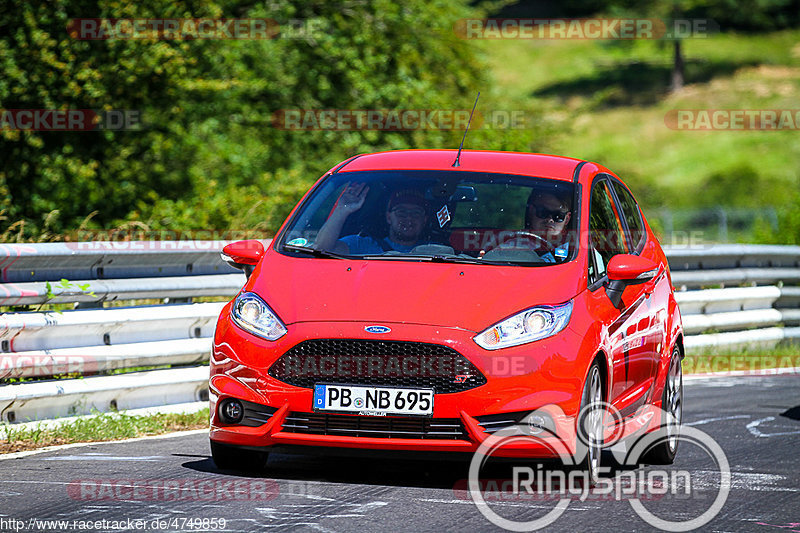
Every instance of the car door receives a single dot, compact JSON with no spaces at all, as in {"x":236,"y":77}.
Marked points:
{"x":652,"y":328}
{"x":627,"y":328}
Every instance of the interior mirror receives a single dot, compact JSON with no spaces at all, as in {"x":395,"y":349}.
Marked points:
{"x":243,"y":255}
{"x":464,"y":193}
{"x":624,"y":270}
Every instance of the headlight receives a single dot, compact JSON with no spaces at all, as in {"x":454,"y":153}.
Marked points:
{"x":528,"y":326}
{"x":250,"y":313}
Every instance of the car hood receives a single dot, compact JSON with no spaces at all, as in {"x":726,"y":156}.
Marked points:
{"x":471,"y":297}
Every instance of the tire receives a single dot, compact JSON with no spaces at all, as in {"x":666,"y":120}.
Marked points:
{"x":666,"y":447}
{"x":590,"y":425}
{"x":234,"y":458}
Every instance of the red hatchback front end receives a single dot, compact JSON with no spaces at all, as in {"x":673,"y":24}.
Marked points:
{"x":405,"y":305}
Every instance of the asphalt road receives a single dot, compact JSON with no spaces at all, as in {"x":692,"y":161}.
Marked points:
{"x":171,"y":484}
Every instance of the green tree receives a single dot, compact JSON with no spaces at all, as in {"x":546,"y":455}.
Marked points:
{"x":77,"y":173}
{"x":207,"y":152}
{"x":715,"y":15}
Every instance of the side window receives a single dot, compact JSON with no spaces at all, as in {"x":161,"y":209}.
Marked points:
{"x":630,"y":210}
{"x":606,"y":236}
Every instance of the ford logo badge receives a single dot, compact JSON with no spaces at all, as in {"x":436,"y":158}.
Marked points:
{"x":377,"y":329}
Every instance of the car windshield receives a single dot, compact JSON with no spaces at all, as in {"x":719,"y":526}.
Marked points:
{"x":444,"y":216}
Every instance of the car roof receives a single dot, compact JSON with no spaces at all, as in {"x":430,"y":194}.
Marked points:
{"x":539,"y":165}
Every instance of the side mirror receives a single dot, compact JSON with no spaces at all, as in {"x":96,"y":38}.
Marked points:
{"x":243,"y":255}
{"x":624,"y":270}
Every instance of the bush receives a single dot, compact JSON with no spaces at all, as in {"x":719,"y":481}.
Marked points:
{"x":208,"y":154}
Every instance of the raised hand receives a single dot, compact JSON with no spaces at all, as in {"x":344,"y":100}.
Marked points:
{"x":352,"y":198}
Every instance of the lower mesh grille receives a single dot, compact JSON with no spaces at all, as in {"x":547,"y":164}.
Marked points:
{"x":375,"y":426}
{"x":377,"y":363}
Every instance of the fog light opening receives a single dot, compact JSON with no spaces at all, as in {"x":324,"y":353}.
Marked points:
{"x":231,"y":411}
{"x":536,"y":424}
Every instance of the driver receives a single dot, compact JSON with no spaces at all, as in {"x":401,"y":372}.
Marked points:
{"x":406,"y":216}
{"x":547,"y":215}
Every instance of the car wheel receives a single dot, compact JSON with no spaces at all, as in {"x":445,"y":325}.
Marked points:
{"x":234,"y":458}
{"x":590,"y":425}
{"x":664,"y":451}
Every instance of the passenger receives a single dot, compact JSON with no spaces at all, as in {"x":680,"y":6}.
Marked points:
{"x":406,"y":216}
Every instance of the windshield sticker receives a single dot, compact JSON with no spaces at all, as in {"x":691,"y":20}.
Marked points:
{"x":561,"y":252}
{"x":298,"y":242}
{"x":443,"y":216}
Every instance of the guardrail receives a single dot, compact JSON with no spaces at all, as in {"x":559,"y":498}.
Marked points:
{"x":730,"y":295}
{"x":751,"y":301}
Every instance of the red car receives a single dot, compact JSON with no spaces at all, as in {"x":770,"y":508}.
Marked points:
{"x":415,"y":302}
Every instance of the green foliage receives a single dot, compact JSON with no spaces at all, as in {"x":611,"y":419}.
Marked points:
{"x":749,"y":15}
{"x":208,"y":153}
{"x":63,"y":286}
{"x":44,"y":68}
{"x":788,"y":223}
{"x":209,"y":156}
{"x":739,"y":185}
{"x":376,"y":55}
{"x":752,"y":15}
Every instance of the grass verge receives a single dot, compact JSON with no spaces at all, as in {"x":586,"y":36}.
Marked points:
{"x":102,"y":427}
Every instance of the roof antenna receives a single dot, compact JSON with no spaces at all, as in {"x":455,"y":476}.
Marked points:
{"x":458,"y":155}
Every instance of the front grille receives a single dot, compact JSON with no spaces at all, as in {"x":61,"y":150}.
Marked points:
{"x":377,"y":363}
{"x":381,"y":427}
{"x":256,"y":414}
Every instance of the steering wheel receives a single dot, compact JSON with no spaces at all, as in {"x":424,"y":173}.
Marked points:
{"x":538,"y":244}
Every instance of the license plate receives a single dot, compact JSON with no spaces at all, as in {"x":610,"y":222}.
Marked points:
{"x":376,"y":401}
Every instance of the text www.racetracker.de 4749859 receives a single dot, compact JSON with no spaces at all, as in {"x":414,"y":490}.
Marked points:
{"x":127,"y":524}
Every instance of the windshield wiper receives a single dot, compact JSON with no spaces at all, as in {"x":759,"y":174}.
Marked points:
{"x":453,"y":259}
{"x":431,"y":258}
{"x":314,"y":251}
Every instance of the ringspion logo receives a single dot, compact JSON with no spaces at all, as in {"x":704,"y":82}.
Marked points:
{"x":556,"y":488}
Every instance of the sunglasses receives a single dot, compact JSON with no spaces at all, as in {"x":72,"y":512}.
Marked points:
{"x":544,"y":213}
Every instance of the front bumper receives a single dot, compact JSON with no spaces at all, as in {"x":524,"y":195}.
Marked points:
{"x":543,"y":375}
